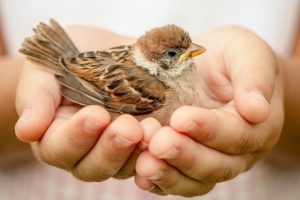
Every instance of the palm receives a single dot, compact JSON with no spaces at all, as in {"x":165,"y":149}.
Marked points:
{"x":235,"y":63}
{"x":231,"y":51}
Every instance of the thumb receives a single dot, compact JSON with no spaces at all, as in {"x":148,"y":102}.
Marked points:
{"x":253,"y":85}
{"x":37,"y":99}
{"x":251,"y":103}
{"x":252,"y":67}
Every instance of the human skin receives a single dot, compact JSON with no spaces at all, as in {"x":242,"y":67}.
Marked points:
{"x":12,"y":151}
{"x":287,"y":147}
{"x":242,"y":87}
{"x":212,"y":128}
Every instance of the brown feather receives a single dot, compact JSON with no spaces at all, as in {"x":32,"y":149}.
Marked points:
{"x":107,"y":78}
{"x":112,"y":79}
{"x":156,"y":41}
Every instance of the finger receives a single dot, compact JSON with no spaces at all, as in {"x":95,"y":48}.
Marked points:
{"x":71,"y":135}
{"x":146,"y":184}
{"x":158,"y":190}
{"x":143,"y":183}
{"x":196,"y":160}
{"x":149,"y":126}
{"x":128,"y":168}
{"x":168,"y":178}
{"x":252,"y":71}
{"x":37,"y":99}
{"x":223,"y":130}
{"x":112,"y":150}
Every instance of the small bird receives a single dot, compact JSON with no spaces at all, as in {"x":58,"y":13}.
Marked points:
{"x":151,"y":78}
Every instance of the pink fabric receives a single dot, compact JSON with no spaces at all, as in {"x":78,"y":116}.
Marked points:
{"x":36,"y":181}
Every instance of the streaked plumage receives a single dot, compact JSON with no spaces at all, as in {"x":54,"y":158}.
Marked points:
{"x":145,"y":79}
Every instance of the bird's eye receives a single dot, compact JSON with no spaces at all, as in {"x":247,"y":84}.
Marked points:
{"x":171,"y":53}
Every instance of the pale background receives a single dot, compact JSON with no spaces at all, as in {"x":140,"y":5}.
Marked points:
{"x":274,"y":20}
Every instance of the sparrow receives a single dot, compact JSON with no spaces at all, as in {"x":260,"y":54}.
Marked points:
{"x":151,"y":78}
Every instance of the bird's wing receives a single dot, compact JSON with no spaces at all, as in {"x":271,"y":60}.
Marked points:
{"x":109,"y":79}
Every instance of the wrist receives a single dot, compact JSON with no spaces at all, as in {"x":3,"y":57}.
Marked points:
{"x":288,"y":145}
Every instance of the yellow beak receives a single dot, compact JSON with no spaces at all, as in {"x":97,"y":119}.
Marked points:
{"x":192,"y":51}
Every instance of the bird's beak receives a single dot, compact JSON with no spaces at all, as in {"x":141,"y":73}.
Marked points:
{"x":192,"y":51}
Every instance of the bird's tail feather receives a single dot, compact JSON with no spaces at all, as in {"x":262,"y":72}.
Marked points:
{"x":47,"y":45}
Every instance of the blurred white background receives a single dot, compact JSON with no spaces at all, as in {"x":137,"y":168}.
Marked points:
{"x":274,"y":20}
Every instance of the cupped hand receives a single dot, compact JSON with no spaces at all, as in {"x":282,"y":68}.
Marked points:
{"x":65,"y":135}
{"x":239,"y":121}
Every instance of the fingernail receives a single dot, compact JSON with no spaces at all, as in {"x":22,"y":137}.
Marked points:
{"x":171,"y":154}
{"x":121,"y":142}
{"x":143,"y":145}
{"x":90,"y":123}
{"x":153,"y":187}
{"x":25,"y":114}
{"x":257,"y":95}
{"x":158,"y":176}
{"x":190,"y":126}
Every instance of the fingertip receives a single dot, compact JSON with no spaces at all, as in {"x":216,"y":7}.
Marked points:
{"x":143,"y":183}
{"x":150,"y":127}
{"x":187,"y":119}
{"x":33,"y":122}
{"x":253,"y":106}
{"x":20,"y":129}
{"x":36,"y":102}
{"x":163,"y":143}
{"x":126,"y":130}
{"x":147,"y":165}
{"x":95,"y":118}
{"x":179,"y":116}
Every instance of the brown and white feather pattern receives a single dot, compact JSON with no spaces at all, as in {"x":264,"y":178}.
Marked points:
{"x":111,"y":78}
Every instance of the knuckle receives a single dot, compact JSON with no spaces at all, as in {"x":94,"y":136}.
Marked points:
{"x":55,"y":159}
{"x":198,"y":191}
{"x":249,"y":141}
{"x":125,"y":173}
{"x":89,"y":175}
{"x":52,"y":157}
{"x":157,"y":190}
{"x":83,"y":175}
{"x":223,"y":173}
{"x":226,"y":173}
{"x":242,"y":144}
{"x":195,"y":189}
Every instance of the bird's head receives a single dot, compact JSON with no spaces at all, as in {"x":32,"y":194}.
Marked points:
{"x":165,"y":51}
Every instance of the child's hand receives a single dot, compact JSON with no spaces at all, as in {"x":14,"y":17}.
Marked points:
{"x":241,"y":120}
